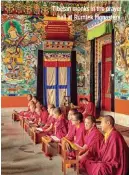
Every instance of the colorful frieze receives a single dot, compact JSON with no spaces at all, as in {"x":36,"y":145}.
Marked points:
{"x":46,"y":8}
{"x":57,"y":45}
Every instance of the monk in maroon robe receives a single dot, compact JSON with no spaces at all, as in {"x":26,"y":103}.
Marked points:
{"x":60,"y":124}
{"x":77,"y":121}
{"x":46,"y":124}
{"x":22,"y":113}
{"x":92,"y":141}
{"x":89,"y":108}
{"x":113,"y":157}
{"x":71,"y":128}
{"x":30,"y":118}
{"x":80,"y":107}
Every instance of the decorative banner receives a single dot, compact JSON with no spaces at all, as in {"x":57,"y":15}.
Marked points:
{"x":98,"y":27}
{"x":56,"y":59}
{"x":46,"y":8}
{"x":56,"y":30}
{"x":57,"y":45}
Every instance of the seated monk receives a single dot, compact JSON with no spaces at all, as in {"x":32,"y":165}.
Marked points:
{"x":71,"y":128}
{"x":77,"y":121}
{"x":45,"y":124}
{"x":60,"y":124}
{"x":89,"y":108}
{"x":27,"y":113}
{"x":30,"y":118}
{"x":92,"y":141}
{"x":34,"y":99}
{"x":48,"y":127}
{"x":22,"y":113}
{"x":43,"y":117}
{"x":60,"y":131}
{"x":113,"y":157}
{"x":80,"y":108}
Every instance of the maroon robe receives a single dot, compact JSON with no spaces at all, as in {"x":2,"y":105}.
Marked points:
{"x":81,"y":108}
{"x":71,"y":131}
{"x":113,"y":158}
{"x":93,"y":140}
{"x":40,"y":134}
{"x":60,"y":127}
{"x":32,"y":116}
{"x":50,"y":120}
{"x":78,"y":139}
{"x":89,"y":110}
{"x":44,"y":116}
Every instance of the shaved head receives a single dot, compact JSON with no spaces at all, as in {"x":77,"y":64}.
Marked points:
{"x":109,"y":118}
{"x":107,"y":123}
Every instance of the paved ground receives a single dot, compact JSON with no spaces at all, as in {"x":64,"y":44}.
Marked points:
{"x":20,"y":157}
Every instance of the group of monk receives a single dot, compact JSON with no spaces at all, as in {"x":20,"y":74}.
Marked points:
{"x":102,"y":152}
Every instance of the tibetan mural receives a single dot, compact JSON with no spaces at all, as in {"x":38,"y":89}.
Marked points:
{"x":83,"y":70}
{"x":122,"y":54}
{"x":22,"y":36}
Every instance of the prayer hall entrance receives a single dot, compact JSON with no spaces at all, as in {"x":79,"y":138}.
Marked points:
{"x":56,"y":80}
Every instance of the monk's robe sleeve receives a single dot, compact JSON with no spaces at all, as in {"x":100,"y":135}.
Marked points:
{"x":61,"y":128}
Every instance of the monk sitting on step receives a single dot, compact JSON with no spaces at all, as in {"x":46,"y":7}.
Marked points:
{"x":45,"y":124}
{"x":71,"y":128}
{"x":92,"y":141}
{"x":77,"y":121}
{"x":89,"y":108}
{"x":113,"y":157}
{"x":60,"y":130}
{"x":15,"y":115}
{"x":31,"y":118}
{"x":80,"y":107}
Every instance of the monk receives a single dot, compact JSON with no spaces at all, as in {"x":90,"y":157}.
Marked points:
{"x":92,"y":141}
{"x":89,"y":108}
{"x":71,"y":128}
{"x":77,"y":121}
{"x":45,"y":124}
{"x":22,"y":113}
{"x":30,"y":118}
{"x":80,"y":108}
{"x":60,"y":124}
{"x":43,"y":117}
{"x":60,"y":131}
{"x":113,"y":156}
{"x":48,"y":127}
{"x":34,"y":99}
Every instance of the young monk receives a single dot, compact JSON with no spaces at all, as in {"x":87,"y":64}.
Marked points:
{"x":60,"y":124}
{"x":71,"y":128}
{"x":92,"y":141}
{"x":48,"y":128}
{"x":113,"y":157}
{"x":45,"y":124}
{"x":31,"y":117}
{"x":77,"y":121}
{"x":89,"y":108}
{"x":43,"y":116}
{"x":34,"y":99}
{"x":80,"y":108}
{"x":22,"y":113}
